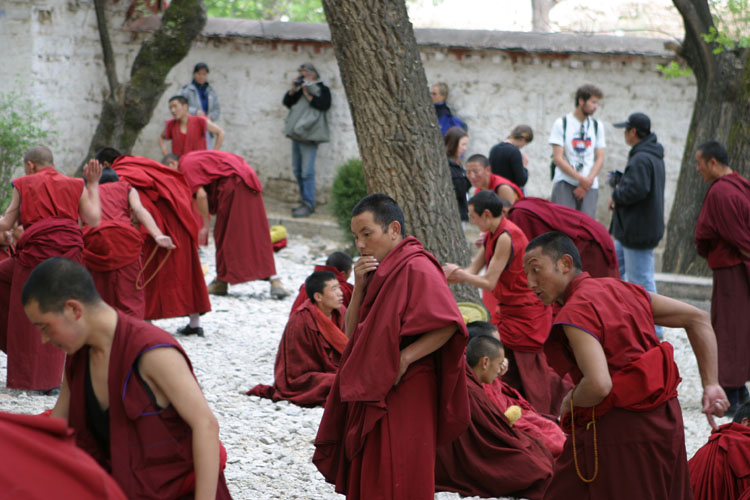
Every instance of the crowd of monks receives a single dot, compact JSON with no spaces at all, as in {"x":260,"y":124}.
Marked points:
{"x":566,"y":392}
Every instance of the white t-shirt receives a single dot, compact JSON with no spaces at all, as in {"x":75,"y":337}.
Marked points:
{"x":580,"y":143}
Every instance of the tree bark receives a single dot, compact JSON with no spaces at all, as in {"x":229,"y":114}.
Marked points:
{"x":128,"y":107}
{"x":395,"y":123}
{"x":722,"y":113}
{"x":540,"y":15}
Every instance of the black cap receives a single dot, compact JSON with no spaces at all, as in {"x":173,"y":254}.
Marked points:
{"x":201,"y":66}
{"x":638,"y":121}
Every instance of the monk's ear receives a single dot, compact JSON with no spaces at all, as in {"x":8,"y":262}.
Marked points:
{"x":565,"y":263}
{"x":395,"y":227}
{"x":485,"y":362}
{"x":317,"y":296}
{"x":74,"y":307}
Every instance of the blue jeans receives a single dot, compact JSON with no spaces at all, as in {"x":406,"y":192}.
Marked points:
{"x":637,"y":266}
{"x":303,"y":165}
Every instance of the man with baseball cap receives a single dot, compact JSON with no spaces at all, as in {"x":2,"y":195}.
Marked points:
{"x":638,"y":204}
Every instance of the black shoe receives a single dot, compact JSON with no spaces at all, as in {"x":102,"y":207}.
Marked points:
{"x":54,"y":392}
{"x":303,"y":210}
{"x":191,"y":330}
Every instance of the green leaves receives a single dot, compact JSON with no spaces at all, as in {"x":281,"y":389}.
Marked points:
{"x":732,"y":25}
{"x":309,"y":11}
{"x":673,"y":70}
{"x":348,"y":188}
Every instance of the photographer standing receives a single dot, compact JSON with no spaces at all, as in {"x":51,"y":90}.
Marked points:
{"x":307,"y":126}
{"x":578,"y":144}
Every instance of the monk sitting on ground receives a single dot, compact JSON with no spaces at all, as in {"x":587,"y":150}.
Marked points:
{"x":720,"y":470}
{"x":521,"y":318}
{"x":494,"y":457}
{"x":311,"y":346}
{"x":129,"y":391}
{"x":340,"y":264}
{"x":481,"y":177}
{"x":504,"y":396}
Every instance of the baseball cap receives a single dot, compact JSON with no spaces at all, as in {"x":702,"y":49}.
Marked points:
{"x":308,"y":67}
{"x":638,"y":121}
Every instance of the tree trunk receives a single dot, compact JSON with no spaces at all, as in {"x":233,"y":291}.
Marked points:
{"x":722,"y":113}
{"x":540,"y":15}
{"x":394,"y":119}
{"x":128,"y":107}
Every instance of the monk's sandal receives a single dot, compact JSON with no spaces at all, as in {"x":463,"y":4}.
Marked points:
{"x":277,"y":289}
{"x":191,"y":330}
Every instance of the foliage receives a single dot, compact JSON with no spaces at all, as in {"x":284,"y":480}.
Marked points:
{"x":21,"y":123}
{"x":310,"y":11}
{"x":348,"y":188}
{"x":673,"y":70}
{"x":732,"y":25}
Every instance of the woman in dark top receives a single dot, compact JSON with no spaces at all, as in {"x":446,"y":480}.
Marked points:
{"x":456,"y":139}
{"x":506,"y":159}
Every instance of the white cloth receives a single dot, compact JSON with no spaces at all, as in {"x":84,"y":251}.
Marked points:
{"x":579,"y":146}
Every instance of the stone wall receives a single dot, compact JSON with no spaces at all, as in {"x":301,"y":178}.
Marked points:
{"x":497,"y":80}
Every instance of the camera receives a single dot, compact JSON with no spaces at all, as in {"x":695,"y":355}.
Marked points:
{"x":299,"y":81}
{"x":579,"y":167}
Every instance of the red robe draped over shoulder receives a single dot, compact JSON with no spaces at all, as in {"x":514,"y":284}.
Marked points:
{"x":243,"y":239}
{"x":151,"y":450}
{"x":721,"y":468}
{"x":639,"y":427}
{"x":306,"y":361}
{"x":492,"y":458}
{"x":498,"y":180}
{"x":178,"y":289}
{"x":377,"y":440}
{"x":536,"y":216}
{"x":40,"y":459}
{"x":193,"y":140}
{"x":346,"y":287}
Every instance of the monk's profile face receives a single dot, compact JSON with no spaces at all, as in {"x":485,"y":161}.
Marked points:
{"x":370,"y":238}
{"x":60,"y":329}
{"x":482,"y":221}
{"x":488,"y":369}
{"x":705,"y":168}
{"x":331,"y":298}
{"x":546,"y":277}
{"x":478,"y":175}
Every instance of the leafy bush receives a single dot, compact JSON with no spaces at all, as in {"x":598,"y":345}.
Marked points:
{"x":21,"y":127}
{"x":348,"y":188}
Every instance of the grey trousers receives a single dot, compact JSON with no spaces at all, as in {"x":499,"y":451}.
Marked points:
{"x":562,"y":194}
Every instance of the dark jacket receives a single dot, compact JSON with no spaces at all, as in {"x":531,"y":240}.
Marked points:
{"x":638,"y":219}
{"x":446,"y":119}
{"x":461,"y":186}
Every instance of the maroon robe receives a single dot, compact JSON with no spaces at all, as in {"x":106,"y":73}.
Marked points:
{"x":151,"y":449}
{"x":40,"y":459}
{"x":377,"y":440}
{"x":193,"y":140}
{"x":536,"y":216}
{"x":346,"y":287}
{"x":639,"y":429}
{"x":179,"y":288}
{"x":721,"y":235}
{"x":492,"y":458}
{"x":243,"y":239}
{"x":721,"y":468}
{"x":498,"y":180}
{"x":306,"y":361}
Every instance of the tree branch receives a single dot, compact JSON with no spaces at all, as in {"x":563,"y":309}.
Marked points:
{"x":698,"y":21}
{"x":108,"y":55}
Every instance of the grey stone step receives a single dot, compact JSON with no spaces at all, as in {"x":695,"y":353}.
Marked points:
{"x":681,"y":286}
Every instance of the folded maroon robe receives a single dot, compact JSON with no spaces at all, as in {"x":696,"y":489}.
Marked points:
{"x":721,"y":468}
{"x":377,"y":440}
{"x":492,"y":458}
{"x":346,"y":287}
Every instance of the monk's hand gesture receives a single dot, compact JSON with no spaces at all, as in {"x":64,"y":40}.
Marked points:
{"x":715,"y":402}
{"x":452,"y":273}
{"x":165,"y":241}
{"x":92,"y":172}
{"x":364,"y":266}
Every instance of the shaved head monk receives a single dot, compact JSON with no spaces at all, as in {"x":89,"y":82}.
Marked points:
{"x":625,"y":423}
{"x":311,"y":345}
{"x":48,"y":205}
{"x":340,"y":264}
{"x":225,"y":185}
{"x":493,"y":458}
{"x":481,"y":177}
{"x":521,"y":318}
{"x":400,"y":390}
{"x":129,"y":391}
{"x":187,"y":132}
{"x":722,"y":236}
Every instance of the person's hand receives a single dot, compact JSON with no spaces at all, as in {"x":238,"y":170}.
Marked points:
{"x":92,"y":172}
{"x":565,"y":406}
{"x":611,"y":204}
{"x":203,"y":235}
{"x":479,"y":242}
{"x":308,"y":96}
{"x":403,"y":365}
{"x":579,"y":193}
{"x":364,"y":266}
{"x":165,"y":241}
{"x":715,"y":402}
{"x":200,"y":113}
{"x":585,"y":183}
{"x":503,"y":367}
{"x":452,"y":272}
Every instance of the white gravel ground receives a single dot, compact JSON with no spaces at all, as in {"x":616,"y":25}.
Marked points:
{"x":270,"y":444}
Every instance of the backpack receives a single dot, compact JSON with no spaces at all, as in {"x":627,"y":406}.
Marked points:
{"x":552,"y":165}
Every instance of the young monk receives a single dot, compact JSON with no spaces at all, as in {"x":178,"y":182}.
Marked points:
{"x":340,"y":264}
{"x":481,"y":177}
{"x":187,"y":132}
{"x":521,"y":318}
{"x":400,"y":389}
{"x":225,"y":185}
{"x":493,"y":458}
{"x":625,"y":424}
{"x":721,"y":468}
{"x":311,"y":345}
{"x":128,"y":392}
{"x":52,"y":205}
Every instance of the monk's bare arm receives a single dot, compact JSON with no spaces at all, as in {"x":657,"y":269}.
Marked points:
{"x":596,"y":383}
{"x":89,"y":207}
{"x":162,"y":143}
{"x":202,"y":200}
{"x":12,"y":213}
{"x":506,"y":192}
{"x":62,"y":405}
{"x":217,"y":131}
{"x":488,"y":280}
{"x":426,"y":344}
{"x":362,"y":268}
{"x":145,"y":218}
{"x":168,"y":375}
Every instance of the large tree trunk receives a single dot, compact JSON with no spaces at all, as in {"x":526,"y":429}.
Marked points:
{"x":395,"y":123}
{"x":129,"y":106}
{"x":722,"y":113}
{"x":540,"y":15}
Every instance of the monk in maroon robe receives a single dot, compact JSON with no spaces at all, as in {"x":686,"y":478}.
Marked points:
{"x":721,"y":468}
{"x":48,"y":205}
{"x":722,"y":236}
{"x":481,"y":177}
{"x":400,"y":390}
{"x":311,"y":345}
{"x":187,"y":132}
{"x":173,"y":279}
{"x":340,"y":264}
{"x":493,"y":458}
{"x":129,"y":391}
{"x":624,"y":420}
{"x":521,"y":318}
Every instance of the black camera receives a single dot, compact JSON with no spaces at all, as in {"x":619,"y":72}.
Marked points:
{"x":299,"y":81}
{"x":579,"y":167}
